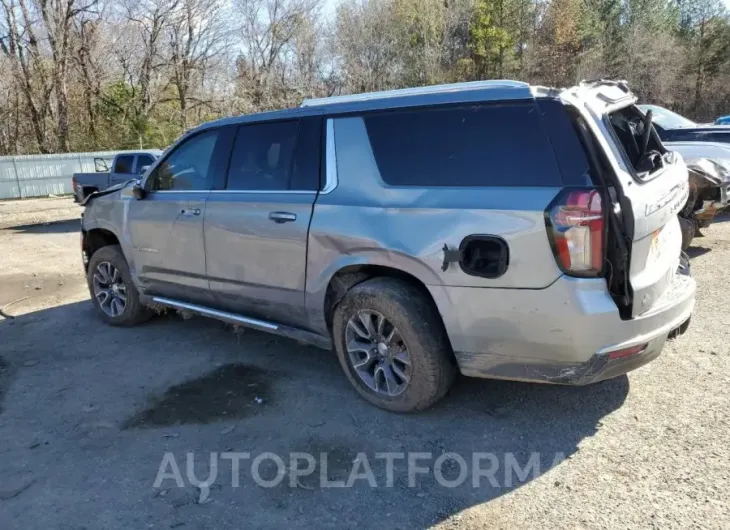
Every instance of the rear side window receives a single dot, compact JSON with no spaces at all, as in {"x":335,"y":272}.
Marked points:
{"x":144,"y":160}
{"x":567,"y":146}
{"x":123,"y":164}
{"x":487,"y":145}
{"x":263,"y":155}
{"x":306,"y":167}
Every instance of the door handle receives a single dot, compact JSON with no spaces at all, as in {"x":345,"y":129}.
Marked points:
{"x":282,"y":217}
{"x":194,"y":211}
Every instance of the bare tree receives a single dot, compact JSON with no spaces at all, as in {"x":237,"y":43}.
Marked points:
{"x":58,"y":17}
{"x":21,"y":44}
{"x":143,"y":56}
{"x":88,"y":27}
{"x":368,"y":45}
{"x":268,"y":31}
{"x":124,"y":73}
{"x":197,"y":36}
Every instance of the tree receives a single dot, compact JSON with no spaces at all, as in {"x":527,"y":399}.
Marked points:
{"x":196,"y":37}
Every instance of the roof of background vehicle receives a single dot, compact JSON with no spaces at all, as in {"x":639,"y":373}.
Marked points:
{"x":156,"y":152}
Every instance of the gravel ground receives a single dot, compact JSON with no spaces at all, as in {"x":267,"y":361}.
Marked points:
{"x":37,"y":211}
{"x":87,"y":413}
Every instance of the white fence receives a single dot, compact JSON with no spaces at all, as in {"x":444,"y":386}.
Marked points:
{"x":43,"y":175}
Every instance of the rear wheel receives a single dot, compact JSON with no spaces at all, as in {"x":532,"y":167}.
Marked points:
{"x":392,"y":345}
{"x":112,"y":291}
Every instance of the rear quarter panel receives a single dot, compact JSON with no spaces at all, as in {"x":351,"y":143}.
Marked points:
{"x":364,"y":221}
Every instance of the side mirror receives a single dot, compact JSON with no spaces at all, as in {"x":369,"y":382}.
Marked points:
{"x":143,"y":169}
{"x":138,"y":191}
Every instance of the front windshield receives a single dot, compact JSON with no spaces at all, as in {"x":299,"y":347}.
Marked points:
{"x":666,"y":119}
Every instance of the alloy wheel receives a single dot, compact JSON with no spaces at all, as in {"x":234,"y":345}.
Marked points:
{"x":377,"y":353}
{"x":109,"y":289}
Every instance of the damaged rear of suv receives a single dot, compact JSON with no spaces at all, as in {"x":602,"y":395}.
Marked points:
{"x":626,"y":286}
{"x":496,"y":228}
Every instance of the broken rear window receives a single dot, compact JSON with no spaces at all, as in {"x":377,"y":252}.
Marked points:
{"x":638,"y":140}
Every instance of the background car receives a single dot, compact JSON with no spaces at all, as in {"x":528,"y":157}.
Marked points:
{"x":673,"y":127}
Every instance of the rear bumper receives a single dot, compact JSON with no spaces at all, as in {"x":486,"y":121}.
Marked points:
{"x":564,"y":334}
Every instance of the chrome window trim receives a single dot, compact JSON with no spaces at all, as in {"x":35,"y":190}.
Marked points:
{"x":331,"y":159}
{"x":259,"y":192}
{"x":178,"y":191}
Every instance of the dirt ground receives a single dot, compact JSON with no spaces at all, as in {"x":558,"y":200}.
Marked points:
{"x":87,"y":413}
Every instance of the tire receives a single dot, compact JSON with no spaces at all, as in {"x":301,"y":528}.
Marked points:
{"x":432,"y":366}
{"x":134,"y":312}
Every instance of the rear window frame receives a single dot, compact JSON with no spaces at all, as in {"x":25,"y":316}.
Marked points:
{"x":629,"y":166}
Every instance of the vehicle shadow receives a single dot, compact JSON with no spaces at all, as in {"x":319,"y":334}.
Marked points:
{"x":695,"y":252}
{"x":55,"y":227}
{"x":193,"y":386}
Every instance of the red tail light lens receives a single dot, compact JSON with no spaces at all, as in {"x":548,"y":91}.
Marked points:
{"x":575,"y":227}
{"x":628,"y":352}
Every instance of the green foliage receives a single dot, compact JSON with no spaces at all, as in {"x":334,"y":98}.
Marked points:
{"x":493,"y":36}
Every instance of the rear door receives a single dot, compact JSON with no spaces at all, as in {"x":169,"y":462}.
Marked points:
{"x":256,"y":228}
{"x":166,"y":227}
{"x":142,"y":162}
{"x":654,"y":194}
{"x":123,"y":170}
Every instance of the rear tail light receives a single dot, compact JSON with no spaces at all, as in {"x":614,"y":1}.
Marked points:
{"x":575,"y":227}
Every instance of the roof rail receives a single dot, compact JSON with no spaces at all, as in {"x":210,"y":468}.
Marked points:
{"x":415,"y":91}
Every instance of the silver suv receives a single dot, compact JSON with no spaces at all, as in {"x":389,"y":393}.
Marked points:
{"x":499,"y":229}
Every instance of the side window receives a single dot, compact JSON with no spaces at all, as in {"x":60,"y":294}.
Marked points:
{"x":262,"y":156}
{"x":563,"y":127}
{"x":144,"y":160}
{"x":123,"y":164}
{"x":187,"y":166}
{"x":484,"y":145}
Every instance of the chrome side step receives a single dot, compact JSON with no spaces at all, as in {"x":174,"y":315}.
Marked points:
{"x":262,"y":325}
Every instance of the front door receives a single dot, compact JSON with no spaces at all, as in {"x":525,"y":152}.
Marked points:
{"x":166,"y":227}
{"x":256,"y":229}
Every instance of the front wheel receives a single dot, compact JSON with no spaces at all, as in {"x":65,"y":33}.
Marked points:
{"x":112,"y":291}
{"x":392,"y":345}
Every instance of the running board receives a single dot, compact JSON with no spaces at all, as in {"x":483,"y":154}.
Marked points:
{"x":240,"y":320}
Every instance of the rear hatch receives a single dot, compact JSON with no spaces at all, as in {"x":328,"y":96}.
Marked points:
{"x":651,"y":186}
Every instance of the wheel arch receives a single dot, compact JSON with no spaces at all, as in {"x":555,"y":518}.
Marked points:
{"x":96,"y":238}
{"x":349,"y":276}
